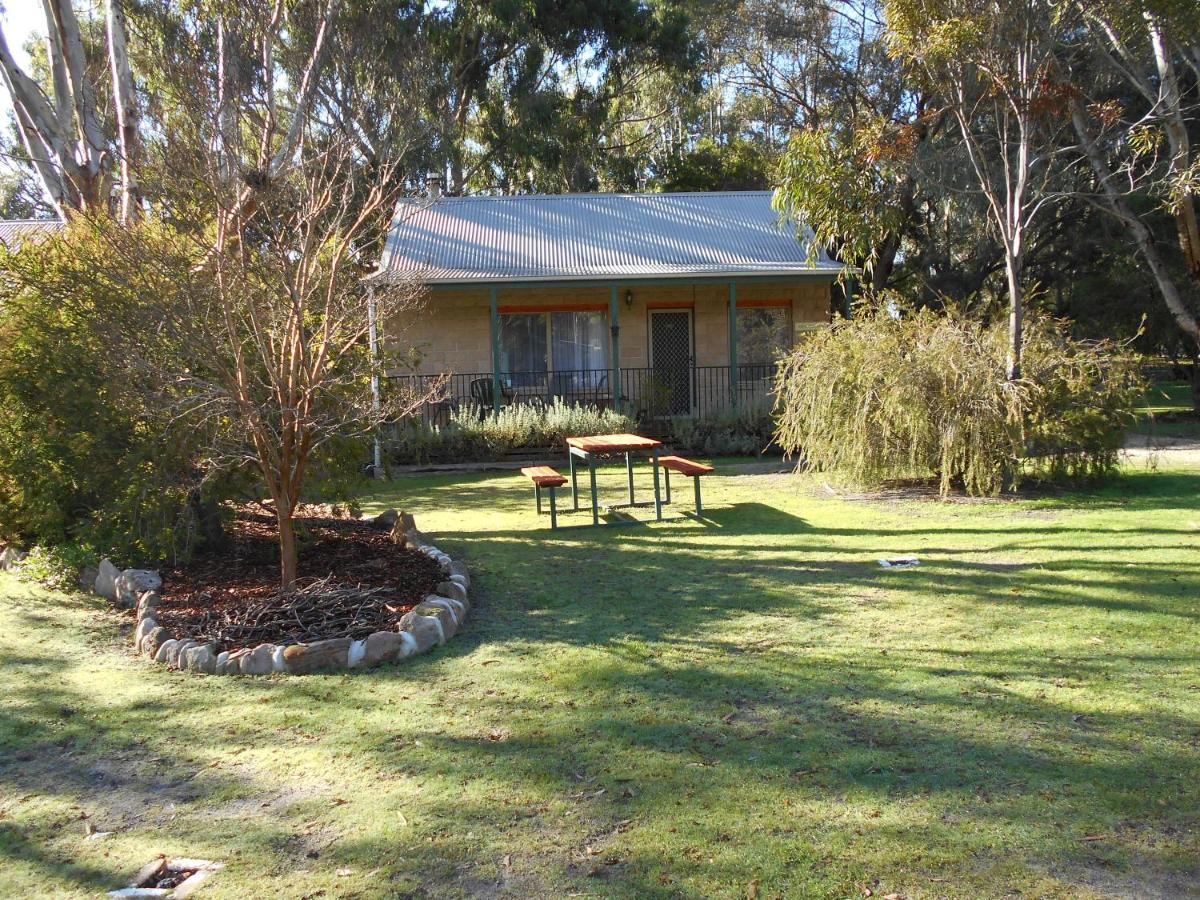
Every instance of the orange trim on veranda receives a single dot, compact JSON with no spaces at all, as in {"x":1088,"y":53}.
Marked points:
{"x":670,"y":304}
{"x":551,"y":307}
{"x":783,"y":303}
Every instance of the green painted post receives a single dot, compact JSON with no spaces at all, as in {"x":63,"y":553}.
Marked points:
{"x":495,"y":353}
{"x":615,"y":324}
{"x":733,"y":360}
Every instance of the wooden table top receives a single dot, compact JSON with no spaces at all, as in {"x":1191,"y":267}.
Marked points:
{"x":613,"y":443}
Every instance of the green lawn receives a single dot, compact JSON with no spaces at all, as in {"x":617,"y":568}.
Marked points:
{"x":1166,"y":412}
{"x":742,"y":707}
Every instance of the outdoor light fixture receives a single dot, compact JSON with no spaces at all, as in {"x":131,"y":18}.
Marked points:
{"x":629,"y":299}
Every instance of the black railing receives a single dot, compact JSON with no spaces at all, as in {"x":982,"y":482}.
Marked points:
{"x":645,"y":394}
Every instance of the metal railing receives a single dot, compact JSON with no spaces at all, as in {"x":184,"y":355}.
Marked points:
{"x":646,"y":394}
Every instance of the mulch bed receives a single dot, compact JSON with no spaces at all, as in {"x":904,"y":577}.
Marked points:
{"x":352,"y":581}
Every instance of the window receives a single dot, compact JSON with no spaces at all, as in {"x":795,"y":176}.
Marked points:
{"x":572,"y":345}
{"x":764,"y":334}
{"x":523,"y":348}
{"x":580,"y":349}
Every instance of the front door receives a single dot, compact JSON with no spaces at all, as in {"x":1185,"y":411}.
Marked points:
{"x":671,"y":360}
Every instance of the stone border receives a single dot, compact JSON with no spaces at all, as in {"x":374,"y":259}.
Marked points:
{"x":431,"y":623}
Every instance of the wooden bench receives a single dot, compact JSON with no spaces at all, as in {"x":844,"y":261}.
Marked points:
{"x":692,"y":470}
{"x":545,"y":477}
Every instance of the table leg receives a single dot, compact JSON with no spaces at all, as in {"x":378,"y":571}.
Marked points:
{"x":574,"y":481}
{"x":657,"y":494}
{"x":629,"y":474}
{"x":595,"y":502}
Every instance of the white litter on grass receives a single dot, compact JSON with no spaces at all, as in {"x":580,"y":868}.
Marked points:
{"x":900,"y":562}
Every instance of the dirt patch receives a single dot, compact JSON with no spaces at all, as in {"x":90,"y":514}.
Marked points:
{"x":353,"y":580}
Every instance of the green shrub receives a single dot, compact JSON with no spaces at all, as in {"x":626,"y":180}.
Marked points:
{"x":82,"y":456}
{"x":881,"y":397}
{"x":57,"y":567}
{"x":748,"y":432}
{"x":470,"y":436}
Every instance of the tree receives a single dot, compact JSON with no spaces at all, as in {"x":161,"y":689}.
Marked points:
{"x":1128,"y":101}
{"x":991,"y":65}
{"x":64,"y":138}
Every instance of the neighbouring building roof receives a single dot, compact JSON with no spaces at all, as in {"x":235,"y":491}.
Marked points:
{"x":595,"y":237}
{"x":14,"y":231}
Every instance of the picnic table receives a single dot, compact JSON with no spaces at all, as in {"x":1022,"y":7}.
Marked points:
{"x":603,"y":446}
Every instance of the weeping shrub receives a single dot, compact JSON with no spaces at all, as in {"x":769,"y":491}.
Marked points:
{"x":881,"y":397}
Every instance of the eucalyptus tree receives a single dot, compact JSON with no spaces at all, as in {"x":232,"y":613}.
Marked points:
{"x":1134,"y":106}
{"x":991,"y":65}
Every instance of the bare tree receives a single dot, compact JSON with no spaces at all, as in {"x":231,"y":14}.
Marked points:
{"x":269,"y":354}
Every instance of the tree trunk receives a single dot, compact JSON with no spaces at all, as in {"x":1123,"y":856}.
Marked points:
{"x":287,"y":546}
{"x":1012,"y":265}
{"x":127,"y":112}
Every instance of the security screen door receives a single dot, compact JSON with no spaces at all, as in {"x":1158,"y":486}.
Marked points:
{"x":671,"y":359}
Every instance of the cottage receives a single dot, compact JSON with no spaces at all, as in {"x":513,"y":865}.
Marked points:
{"x":675,"y":304}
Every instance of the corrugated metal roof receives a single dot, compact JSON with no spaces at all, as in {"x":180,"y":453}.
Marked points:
{"x":594,"y":236}
{"x":13,"y":231}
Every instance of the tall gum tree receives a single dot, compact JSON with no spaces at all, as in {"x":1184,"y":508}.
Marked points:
{"x":989,"y":64}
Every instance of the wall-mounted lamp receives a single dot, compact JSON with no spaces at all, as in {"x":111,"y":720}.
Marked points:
{"x":629,"y":299}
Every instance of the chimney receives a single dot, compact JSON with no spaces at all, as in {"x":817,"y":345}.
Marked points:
{"x":434,"y":184}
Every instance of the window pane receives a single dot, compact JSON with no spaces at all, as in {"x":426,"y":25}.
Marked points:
{"x":579,"y":348}
{"x":763,"y":335}
{"x":523,"y":348}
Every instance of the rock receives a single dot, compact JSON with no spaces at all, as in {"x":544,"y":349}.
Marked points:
{"x":304,"y":658}
{"x":387,"y":518}
{"x":408,"y":645}
{"x":457,"y":568}
{"x":258,"y":661}
{"x":442,"y":613}
{"x":131,"y":583}
{"x":200,"y":659}
{"x":87,"y":578}
{"x":459,"y":609}
{"x":381,"y":647}
{"x":425,"y":630}
{"x":106,"y":580}
{"x":10,"y":558}
{"x":178,"y":657}
{"x":165,"y":649}
{"x":232,"y":662}
{"x":399,"y":538}
{"x":144,"y":627}
{"x":454,"y":590}
{"x":148,"y":603}
{"x":154,"y":639}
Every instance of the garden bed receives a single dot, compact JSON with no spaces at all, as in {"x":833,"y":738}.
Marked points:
{"x":353,"y":580}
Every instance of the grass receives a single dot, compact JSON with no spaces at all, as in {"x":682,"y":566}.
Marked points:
{"x":1166,"y":412}
{"x":747,"y":706}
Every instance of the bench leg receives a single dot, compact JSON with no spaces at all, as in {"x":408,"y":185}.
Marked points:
{"x":574,"y":482}
{"x":629,"y":474}
{"x":537,"y":498}
{"x":595,"y":500}
{"x":667,"y":483}
{"x":657,"y":495}
{"x":696,"y":479}
{"x":553,"y":511}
